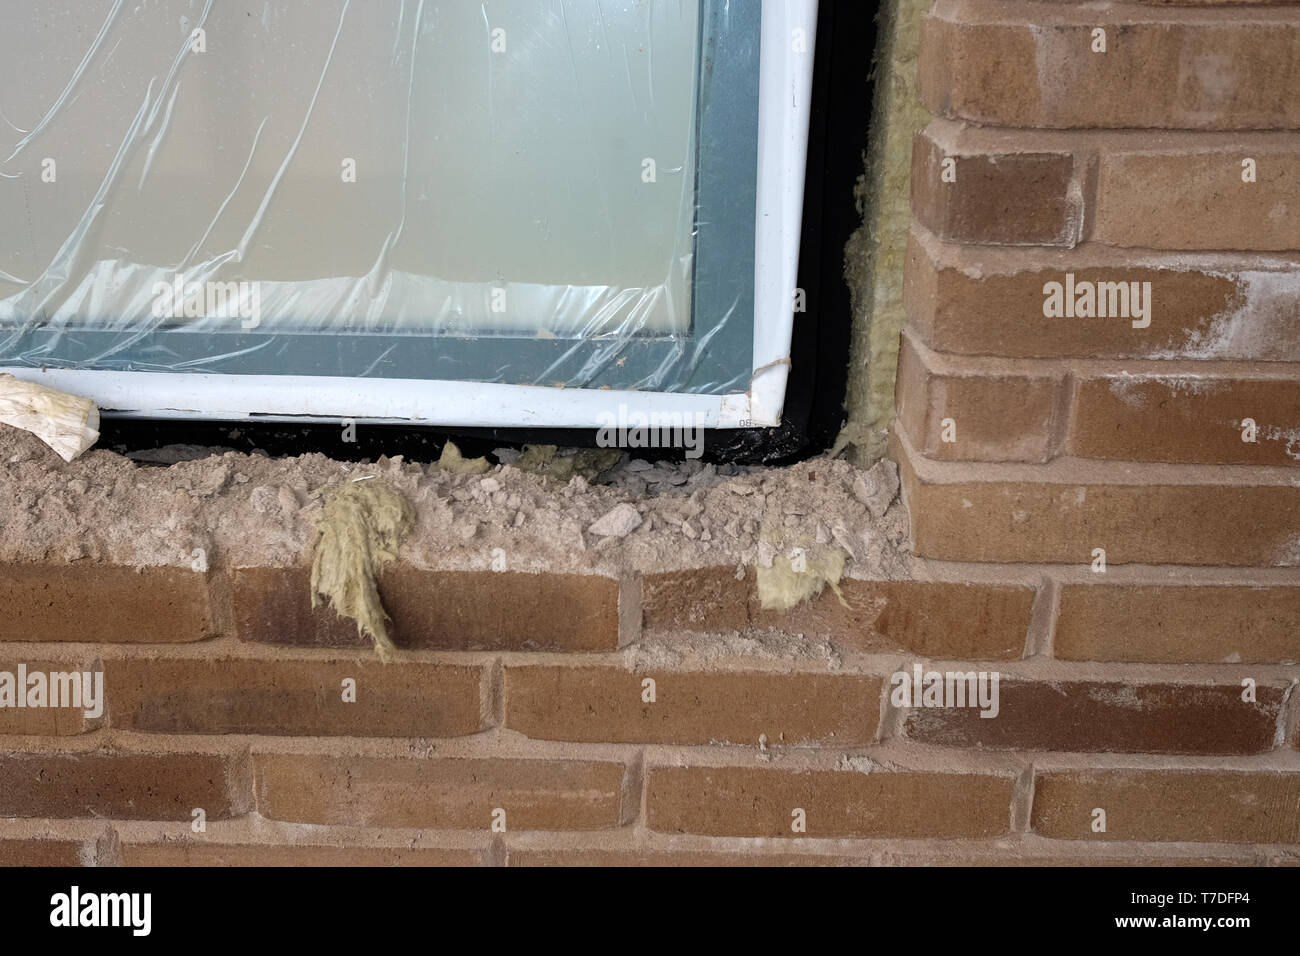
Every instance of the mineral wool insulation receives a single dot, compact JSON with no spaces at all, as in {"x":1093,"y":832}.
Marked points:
{"x":873,"y":260}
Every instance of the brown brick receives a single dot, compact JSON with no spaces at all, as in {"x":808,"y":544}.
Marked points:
{"x":100,"y":603}
{"x":605,"y":704}
{"x":1178,"y":624}
{"x":49,"y":721}
{"x":1186,"y":418}
{"x":46,"y":852}
{"x":121,"y":785}
{"x":989,"y":301}
{"x":702,"y":599}
{"x":1191,"y":806}
{"x":1031,"y":64}
{"x":736,"y":801}
{"x":439,"y":610}
{"x":176,"y":853}
{"x":1005,"y":514}
{"x":929,"y":618}
{"x":1192,"y":197}
{"x":670,"y":858}
{"x":439,"y":792}
{"x":1012,"y":197}
{"x":1091,"y":717}
{"x":291,"y":697}
{"x":997,"y":416}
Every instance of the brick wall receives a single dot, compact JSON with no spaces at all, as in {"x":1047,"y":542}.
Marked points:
{"x":516,"y":730}
{"x":528,"y":697}
{"x":1037,"y":440}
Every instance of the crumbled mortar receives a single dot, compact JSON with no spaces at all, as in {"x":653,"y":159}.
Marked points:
{"x":669,"y":649}
{"x":250,"y":510}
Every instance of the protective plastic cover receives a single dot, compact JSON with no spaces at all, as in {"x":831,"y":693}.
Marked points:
{"x":357,"y":188}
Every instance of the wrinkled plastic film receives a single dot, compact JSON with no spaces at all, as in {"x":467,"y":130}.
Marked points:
{"x":501,"y":191}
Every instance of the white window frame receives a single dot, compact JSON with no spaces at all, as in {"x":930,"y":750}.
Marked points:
{"x":785,"y":93}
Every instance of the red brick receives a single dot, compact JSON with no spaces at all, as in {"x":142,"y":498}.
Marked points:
{"x":1190,"y":806}
{"x":1186,"y":419}
{"x":101,"y":603}
{"x":1031,"y":64}
{"x":1191,"y":195}
{"x":292,"y":697}
{"x":598,"y":704}
{"x":121,"y":785}
{"x":1008,"y":513}
{"x":929,"y":618}
{"x":989,"y":301}
{"x":439,"y":792}
{"x":1178,"y":624}
{"x":1092,"y":717}
{"x":178,"y":853}
{"x":1015,"y":196}
{"x":439,"y":610}
{"x":996,"y":416}
{"x":736,"y":801}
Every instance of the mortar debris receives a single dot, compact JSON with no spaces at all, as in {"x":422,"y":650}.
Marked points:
{"x":252,"y":511}
{"x":856,"y":763}
{"x":672,"y":649}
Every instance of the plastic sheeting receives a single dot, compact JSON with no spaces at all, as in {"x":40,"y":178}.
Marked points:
{"x":315,"y":187}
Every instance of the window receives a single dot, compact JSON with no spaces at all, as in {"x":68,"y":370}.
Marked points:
{"x":496,"y":213}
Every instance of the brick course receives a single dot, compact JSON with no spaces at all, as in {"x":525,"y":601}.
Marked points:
{"x":1022,"y":63}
